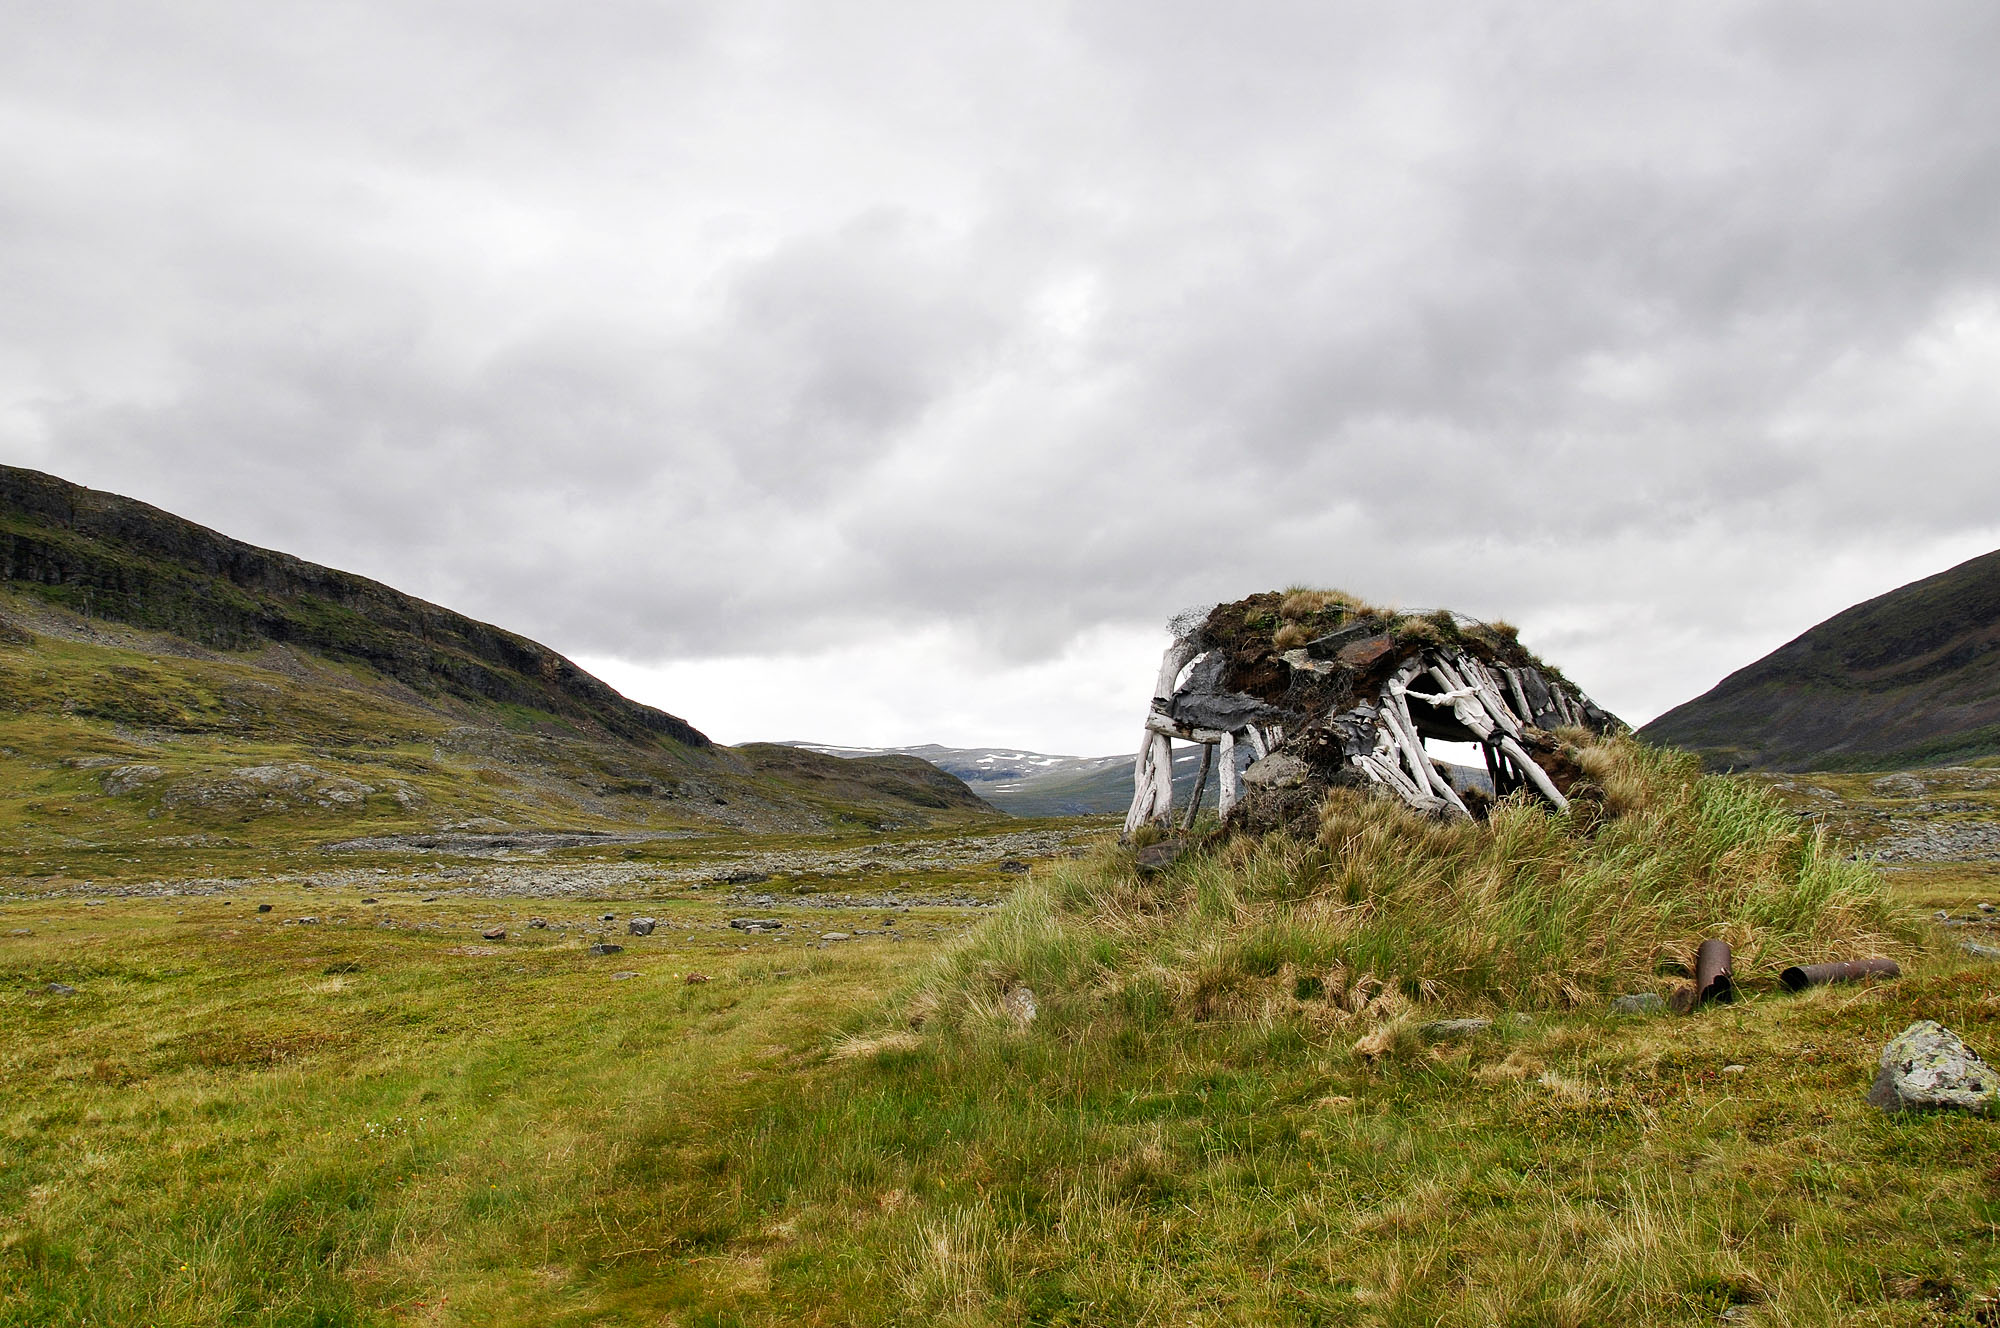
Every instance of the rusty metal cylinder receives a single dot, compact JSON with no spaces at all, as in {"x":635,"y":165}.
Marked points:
{"x":1714,"y":978}
{"x":1800,"y":976}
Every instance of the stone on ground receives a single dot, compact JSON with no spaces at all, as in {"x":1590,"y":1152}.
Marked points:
{"x":1928,"y":1067}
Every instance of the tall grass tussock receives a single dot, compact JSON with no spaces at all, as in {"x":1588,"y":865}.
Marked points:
{"x":1386,"y":912}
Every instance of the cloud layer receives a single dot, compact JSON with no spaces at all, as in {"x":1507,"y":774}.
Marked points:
{"x":836,"y":345}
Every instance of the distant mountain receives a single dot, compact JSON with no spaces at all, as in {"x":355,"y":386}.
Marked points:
{"x":1906,"y":679}
{"x":1037,"y":784}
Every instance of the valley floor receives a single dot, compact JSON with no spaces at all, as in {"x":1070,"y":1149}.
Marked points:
{"x":211,"y":1114}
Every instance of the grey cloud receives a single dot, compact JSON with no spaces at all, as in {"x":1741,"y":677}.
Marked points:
{"x":683,"y":330}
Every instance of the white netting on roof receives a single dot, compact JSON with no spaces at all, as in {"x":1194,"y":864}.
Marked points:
{"x":1188,"y":620}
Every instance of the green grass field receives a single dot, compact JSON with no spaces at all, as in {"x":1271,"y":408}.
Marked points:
{"x":239,"y":1118}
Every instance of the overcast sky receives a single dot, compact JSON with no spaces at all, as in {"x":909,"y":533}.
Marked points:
{"x":885,"y":374}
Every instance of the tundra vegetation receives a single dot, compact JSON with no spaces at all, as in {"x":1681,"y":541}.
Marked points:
{"x":1226,"y":1107}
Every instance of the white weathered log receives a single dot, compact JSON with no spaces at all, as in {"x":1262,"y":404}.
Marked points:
{"x":1172,"y":728}
{"x":1258,"y":746}
{"x":1520,"y":696}
{"x":1142,"y":783}
{"x":1536,"y":775}
{"x":1163,"y":776}
{"x":1388,"y":769}
{"x":1177,"y":657}
{"x":1488,"y":705}
{"x":1482,"y":677}
{"x":1227,"y":800}
{"x":1200,"y":783}
{"x":1427,"y":776}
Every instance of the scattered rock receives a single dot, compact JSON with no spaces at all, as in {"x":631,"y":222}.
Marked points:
{"x":1978,"y":951}
{"x":538,"y":924}
{"x":835,"y":936}
{"x":343,"y":966}
{"x":22,"y":931}
{"x":1013,"y":865}
{"x":1734,"y":1069}
{"x":756,"y":924}
{"x":1926,"y":1066}
{"x":371,"y":901}
{"x":308,"y":922}
{"x":623,"y":974}
{"x":606,"y":948}
{"x":130,"y":778}
{"x":741,"y":877}
{"x":60,"y":989}
{"x":642,"y":926}
{"x":1278,"y":770}
{"x":694,"y":979}
{"x":608,"y":917}
{"x":1451,"y":1028}
{"x":263,"y":908}
{"x":1986,"y":908}
{"x":1019,"y":1003}
{"x":495,"y":933}
{"x":1156,"y":858}
{"x":1639,"y":1002}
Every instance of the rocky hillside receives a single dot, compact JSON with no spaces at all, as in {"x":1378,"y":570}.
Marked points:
{"x":108,"y":557}
{"x":161,"y":684}
{"x":1910,"y":678}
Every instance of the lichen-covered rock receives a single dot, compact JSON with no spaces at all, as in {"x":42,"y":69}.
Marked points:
{"x":1019,"y":1003}
{"x":1927,"y":1067}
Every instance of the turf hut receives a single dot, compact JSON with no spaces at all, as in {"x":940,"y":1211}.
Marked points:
{"x":1328,"y":691}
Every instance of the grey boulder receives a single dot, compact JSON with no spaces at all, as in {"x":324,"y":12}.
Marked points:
{"x":641,"y":926}
{"x":1927,"y":1067}
{"x":1639,"y":1002}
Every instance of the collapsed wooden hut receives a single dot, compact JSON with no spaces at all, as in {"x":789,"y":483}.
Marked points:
{"x":1327,"y":691}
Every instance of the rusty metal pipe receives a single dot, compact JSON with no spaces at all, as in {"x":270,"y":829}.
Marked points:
{"x":1800,"y":976}
{"x":1714,"y":978}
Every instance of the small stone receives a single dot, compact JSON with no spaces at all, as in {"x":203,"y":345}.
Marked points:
{"x":621,"y":976}
{"x":694,"y":979}
{"x":1451,"y":1028}
{"x":1278,"y":770}
{"x":1734,"y":1069}
{"x":371,"y":901}
{"x":1019,"y":1003}
{"x":1011,"y":865}
{"x":537,"y":924}
{"x":1928,"y":1066}
{"x":606,"y":947}
{"x":308,"y":922}
{"x":834,"y":936}
{"x":1978,"y":951}
{"x":1156,"y":858}
{"x":495,"y":933}
{"x":263,"y":908}
{"x":642,"y":926}
{"x":430,"y":899}
{"x":1943,"y":915}
{"x":60,"y":989}
{"x":609,"y":917}
{"x":1986,"y":908}
{"x":22,"y":931}
{"x":1639,"y":1002}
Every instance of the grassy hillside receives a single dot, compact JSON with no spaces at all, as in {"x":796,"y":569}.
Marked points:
{"x":1909,"y":678}
{"x":163,"y":687}
{"x":107,"y":557}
